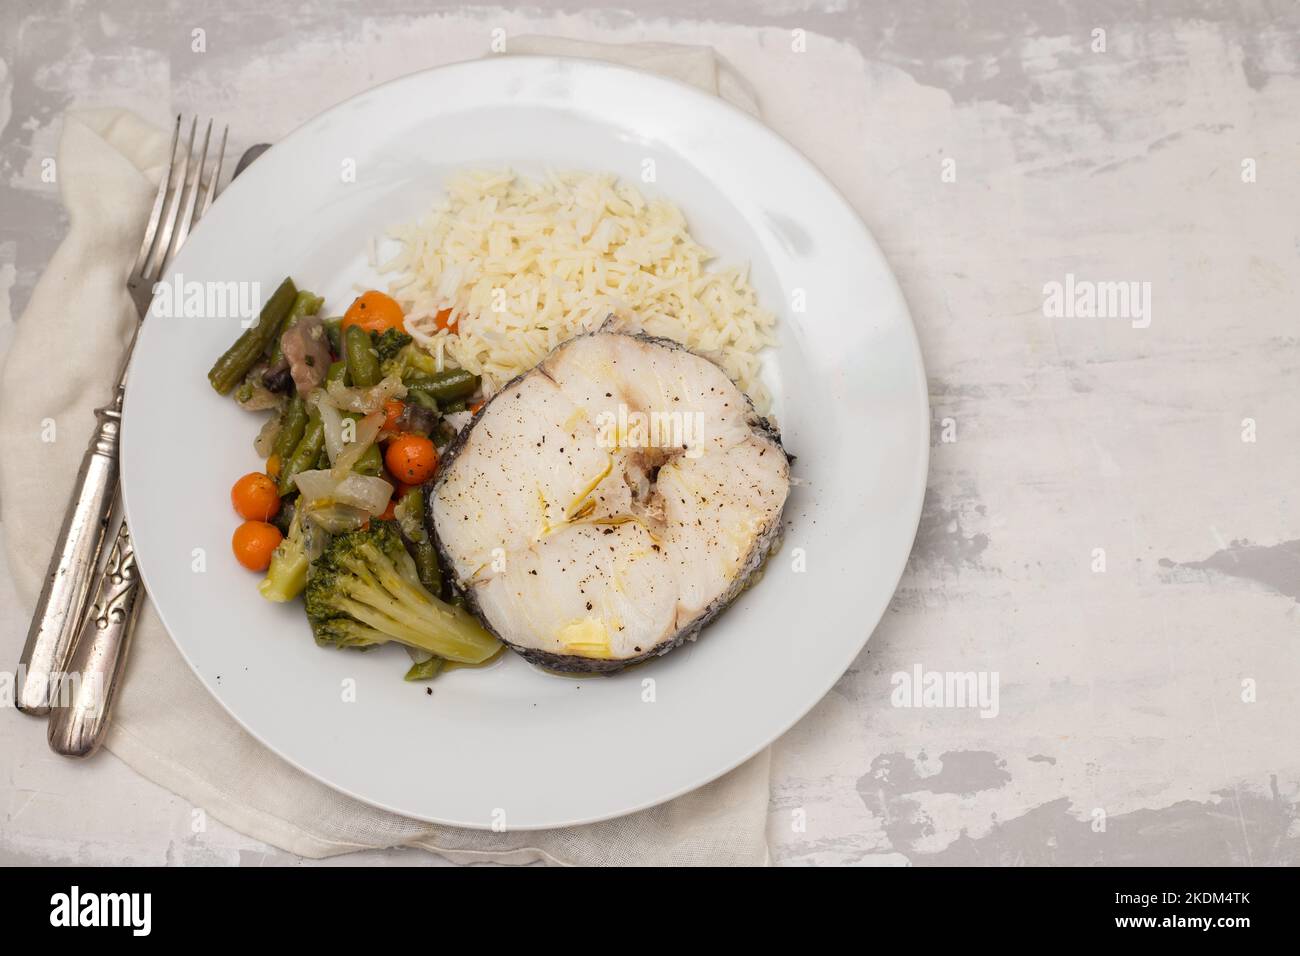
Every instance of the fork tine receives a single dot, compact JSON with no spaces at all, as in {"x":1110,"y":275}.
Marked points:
{"x":155,"y":216}
{"x":191,"y":195}
{"x":214,"y":181}
{"x":154,"y":268}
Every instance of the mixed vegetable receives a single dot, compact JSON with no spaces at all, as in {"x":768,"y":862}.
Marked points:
{"x":336,"y":515}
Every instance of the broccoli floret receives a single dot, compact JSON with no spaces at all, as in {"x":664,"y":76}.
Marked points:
{"x":388,"y":343}
{"x":287,"y":575}
{"x":365,"y":590}
{"x":406,"y":359}
{"x":345,"y":632}
{"x":391,"y":347}
{"x":425,"y":670}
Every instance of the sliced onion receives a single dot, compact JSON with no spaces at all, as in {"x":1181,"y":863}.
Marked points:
{"x":320,"y":489}
{"x":260,"y":399}
{"x":364,"y":492}
{"x":367,"y":430}
{"x":332,"y":425}
{"x":315,"y":539}
{"x":344,"y":454}
{"x":265,"y":439}
{"x":336,"y":518}
{"x":365,"y":399}
{"x":316,"y":485}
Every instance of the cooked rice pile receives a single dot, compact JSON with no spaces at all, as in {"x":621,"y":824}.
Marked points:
{"x":526,"y":265}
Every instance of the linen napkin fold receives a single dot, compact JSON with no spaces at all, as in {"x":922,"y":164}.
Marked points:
{"x":166,"y":725}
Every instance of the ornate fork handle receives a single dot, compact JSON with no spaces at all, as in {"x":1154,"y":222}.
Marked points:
{"x":71,"y":571}
{"x":79,"y":720}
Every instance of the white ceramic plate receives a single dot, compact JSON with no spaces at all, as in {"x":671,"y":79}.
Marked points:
{"x":544,"y":750}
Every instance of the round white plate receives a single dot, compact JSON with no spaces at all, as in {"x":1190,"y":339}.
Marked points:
{"x":510,"y":742}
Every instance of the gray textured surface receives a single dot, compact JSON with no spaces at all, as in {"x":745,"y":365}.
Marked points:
{"x":1160,"y":695}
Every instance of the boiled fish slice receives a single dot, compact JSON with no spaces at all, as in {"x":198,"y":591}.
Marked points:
{"x":590,"y":591}
{"x":603,"y":507}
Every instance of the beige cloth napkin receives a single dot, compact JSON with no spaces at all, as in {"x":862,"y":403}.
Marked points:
{"x":166,"y":725}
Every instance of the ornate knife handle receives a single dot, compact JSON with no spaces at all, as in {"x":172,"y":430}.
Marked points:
{"x":79,"y":716}
{"x":62,"y":603}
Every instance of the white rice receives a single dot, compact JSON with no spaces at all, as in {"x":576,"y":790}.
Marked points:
{"x":525,"y":265}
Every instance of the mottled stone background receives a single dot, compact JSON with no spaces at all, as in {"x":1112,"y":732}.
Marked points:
{"x":1158,"y":693}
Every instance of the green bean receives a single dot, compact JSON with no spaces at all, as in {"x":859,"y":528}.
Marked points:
{"x":446,"y":386}
{"x":293,"y":422}
{"x":426,"y":566}
{"x":422,"y":398}
{"x":363,"y":364}
{"x":229,"y":370}
{"x":370,"y":463}
{"x":334,"y":332}
{"x":338,"y":372}
{"x":304,"y":303}
{"x":409,"y":513}
{"x":457,"y":406}
{"x":304,"y":457}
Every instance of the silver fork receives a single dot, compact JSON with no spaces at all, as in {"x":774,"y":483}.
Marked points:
{"x":52,"y":670}
{"x":79,"y":718}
